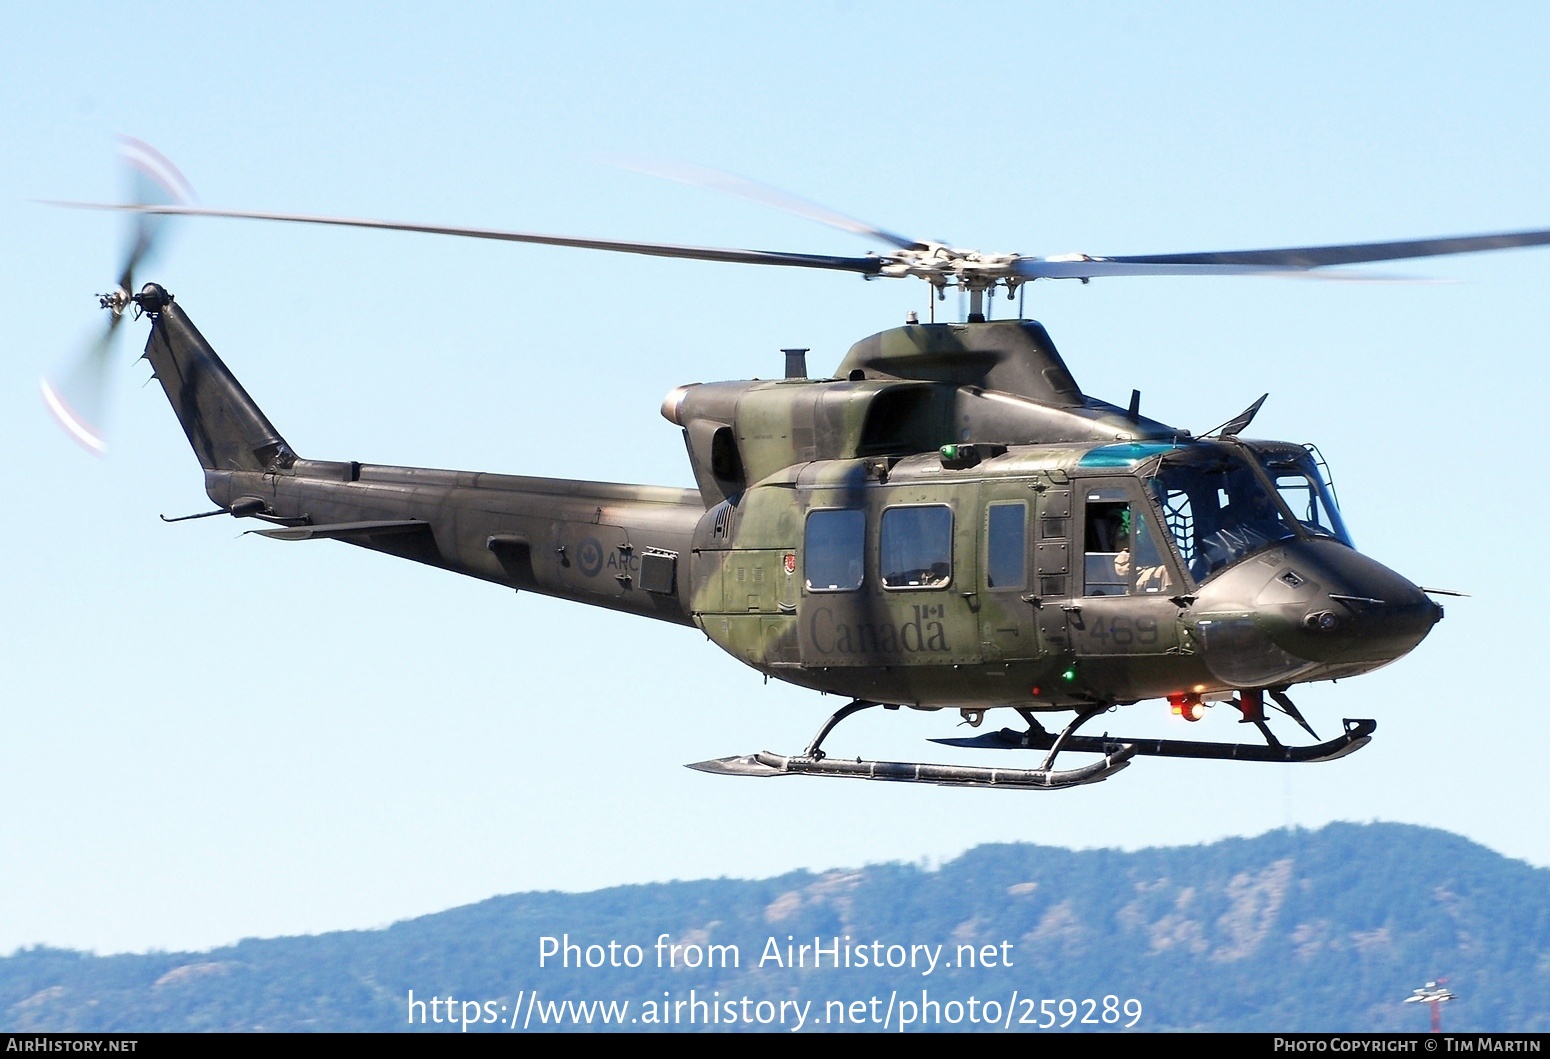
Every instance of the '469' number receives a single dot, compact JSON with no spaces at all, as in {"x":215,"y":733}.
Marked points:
{"x":1122,"y":632}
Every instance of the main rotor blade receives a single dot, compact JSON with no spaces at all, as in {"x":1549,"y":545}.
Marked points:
{"x":1352,"y":253}
{"x":868,"y":265}
{"x":1271,"y":262}
{"x":1100,"y":267}
{"x":752,"y":190}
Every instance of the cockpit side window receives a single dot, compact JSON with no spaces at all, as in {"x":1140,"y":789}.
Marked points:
{"x":1151,"y":572}
{"x":1122,"y":553}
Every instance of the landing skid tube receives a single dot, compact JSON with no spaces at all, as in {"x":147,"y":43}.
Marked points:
{"x":1357,"y":734}
{"x":768,"y":764}
{"x":814,"y":762}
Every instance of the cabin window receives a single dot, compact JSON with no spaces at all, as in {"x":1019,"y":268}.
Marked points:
{"x":1123,"y":557}
{"x":834,"y":549}
{"x":1006,"y":547}
{"x":916,"y":546}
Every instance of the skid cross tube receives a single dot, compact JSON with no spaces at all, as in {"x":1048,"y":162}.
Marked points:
{"x":1063,"y":740}
{"x":815,"y":748}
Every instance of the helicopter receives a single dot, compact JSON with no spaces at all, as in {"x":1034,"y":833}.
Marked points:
{"x":945,"y":522}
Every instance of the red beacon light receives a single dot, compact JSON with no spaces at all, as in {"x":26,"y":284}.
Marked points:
{"x":1187,"y":704}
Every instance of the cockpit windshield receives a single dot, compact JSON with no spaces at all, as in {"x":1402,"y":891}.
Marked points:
{"x":1215,"y":508}
{"x":1306,"y":491}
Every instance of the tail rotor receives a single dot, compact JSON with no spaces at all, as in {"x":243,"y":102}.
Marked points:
{"x":77,"y":391}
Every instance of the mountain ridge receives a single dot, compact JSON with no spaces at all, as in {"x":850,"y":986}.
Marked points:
{"x":1289,"y":930}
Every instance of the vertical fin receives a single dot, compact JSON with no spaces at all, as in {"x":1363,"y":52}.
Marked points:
{"x":226,"y":428}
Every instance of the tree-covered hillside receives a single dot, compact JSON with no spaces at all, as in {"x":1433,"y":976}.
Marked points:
{"x":1308,"y":930}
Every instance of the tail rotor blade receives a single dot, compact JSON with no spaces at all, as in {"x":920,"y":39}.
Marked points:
{"x":152,"y":181}
{"x":78,"y":393}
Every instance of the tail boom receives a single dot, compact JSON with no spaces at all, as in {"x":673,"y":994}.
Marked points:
{"x":610,"y":545}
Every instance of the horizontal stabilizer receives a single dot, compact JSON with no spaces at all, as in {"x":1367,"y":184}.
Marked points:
{"x":344,"y":530}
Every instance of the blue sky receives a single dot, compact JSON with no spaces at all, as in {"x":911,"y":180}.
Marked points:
{"x":204,"y":737}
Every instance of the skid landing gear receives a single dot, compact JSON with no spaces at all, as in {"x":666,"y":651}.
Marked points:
{"x":814,"y":762}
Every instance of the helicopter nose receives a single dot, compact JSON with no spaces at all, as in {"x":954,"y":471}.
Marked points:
{"x":1359,"y":611}
{"x":1307,"y":604}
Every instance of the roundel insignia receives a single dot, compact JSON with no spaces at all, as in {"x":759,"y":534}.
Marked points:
{"x":590,"y":556}
{"x":791,"y":563}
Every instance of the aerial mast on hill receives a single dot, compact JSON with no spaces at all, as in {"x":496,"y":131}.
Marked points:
{"x":1435,"y":994}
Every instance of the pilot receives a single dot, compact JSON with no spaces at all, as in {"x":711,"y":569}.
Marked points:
{"x":1148,"y":578}
{"x":1153,"y":578}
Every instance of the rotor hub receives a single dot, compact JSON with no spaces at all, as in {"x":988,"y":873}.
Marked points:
{"x":118,"y":301}
{"x":944,"y":266}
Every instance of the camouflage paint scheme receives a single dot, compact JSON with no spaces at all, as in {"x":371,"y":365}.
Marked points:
{"x":728,"y":557}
